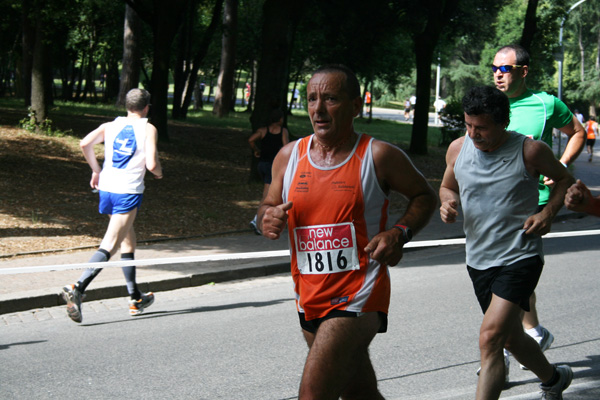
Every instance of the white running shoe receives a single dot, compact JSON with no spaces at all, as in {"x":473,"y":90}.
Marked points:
{"x":72,"y":297}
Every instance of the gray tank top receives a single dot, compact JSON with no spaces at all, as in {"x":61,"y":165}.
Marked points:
{"x":497,"y":194}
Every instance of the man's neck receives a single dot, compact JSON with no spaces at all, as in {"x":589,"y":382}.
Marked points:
{"x":519,"y":92}
{"x":134,"y":114}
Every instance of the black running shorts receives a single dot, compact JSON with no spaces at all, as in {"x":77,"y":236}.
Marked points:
{"x":514,"y":283}
{"x":312,"y":325}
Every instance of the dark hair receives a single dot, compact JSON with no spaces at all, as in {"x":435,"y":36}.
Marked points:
{"x":136,"y":99}
{"x":275,"y":116}
{"x":487,"y":100}
{"x":521,"y":54}
{"x":352,"y":85}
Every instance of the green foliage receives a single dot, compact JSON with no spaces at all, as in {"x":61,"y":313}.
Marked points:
{"x":582,"y":40}
{"x":365,"y":36}
{"x":42,"y":128}
{"x":374,"y":38}
{"x":464,"y":76}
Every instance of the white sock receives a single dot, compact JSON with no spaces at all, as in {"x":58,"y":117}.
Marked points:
{"x":535,"y":332}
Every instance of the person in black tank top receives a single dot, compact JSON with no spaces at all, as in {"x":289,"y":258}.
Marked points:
{"x":266,"y":143}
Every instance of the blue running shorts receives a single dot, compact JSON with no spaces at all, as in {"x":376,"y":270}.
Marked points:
{"x":118,"y":203}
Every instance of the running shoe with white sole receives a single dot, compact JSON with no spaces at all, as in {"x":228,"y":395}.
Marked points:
{"x":555,"y":392}
{"x":254,"y":227}
{"x":545,"y":341}
{"x":136,"y":307}
{"x":72,"y":297}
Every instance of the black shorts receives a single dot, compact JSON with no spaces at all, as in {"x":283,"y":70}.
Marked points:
{"x":312,"y":325}
{"x":591,"y":142}
{"x":514,"y":283}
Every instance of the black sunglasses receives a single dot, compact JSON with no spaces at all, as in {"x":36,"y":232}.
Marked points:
{"x":505,"y":68}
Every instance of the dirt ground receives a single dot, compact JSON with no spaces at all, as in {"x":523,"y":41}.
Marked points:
{"x":46,"y":203}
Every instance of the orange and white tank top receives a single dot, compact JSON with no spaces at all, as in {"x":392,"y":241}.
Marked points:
{"x":336,"y":212}
{"x":590,"y":128}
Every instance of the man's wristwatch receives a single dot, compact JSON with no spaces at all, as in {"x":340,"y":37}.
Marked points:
{"x":406,"y":232}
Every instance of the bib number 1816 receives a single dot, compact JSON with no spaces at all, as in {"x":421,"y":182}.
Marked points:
{"x":326,"y":249}
{"x":341,"y":262}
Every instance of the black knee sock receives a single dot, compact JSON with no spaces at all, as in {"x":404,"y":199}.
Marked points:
{"x":129,"y":273}
{"x":89,"y":274}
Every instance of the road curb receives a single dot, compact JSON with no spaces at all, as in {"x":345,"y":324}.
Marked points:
{"x":51,"y":300}
{"x":251,"y":270}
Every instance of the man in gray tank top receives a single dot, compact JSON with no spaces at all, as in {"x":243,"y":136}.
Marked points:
{"x":492,"y":173}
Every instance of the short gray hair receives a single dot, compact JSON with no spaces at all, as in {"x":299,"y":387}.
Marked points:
{"x":137,"y":99}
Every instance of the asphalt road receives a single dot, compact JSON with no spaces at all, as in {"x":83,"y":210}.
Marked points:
{"x":241,"y":340}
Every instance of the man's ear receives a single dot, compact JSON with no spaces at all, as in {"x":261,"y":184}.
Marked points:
{"x":525,"y":70}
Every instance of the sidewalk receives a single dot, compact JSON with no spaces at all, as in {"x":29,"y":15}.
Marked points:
{"x":20,"y":292}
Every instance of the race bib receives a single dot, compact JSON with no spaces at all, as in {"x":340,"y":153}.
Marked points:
{"x":326,"y":249}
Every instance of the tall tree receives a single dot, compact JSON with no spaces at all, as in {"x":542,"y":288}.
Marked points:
{"x":426,"y":19}
{"x":39,"y":69}
{"x":530,"y":26}
{"x":280,"y":21}
{"x":130,"y":71}
{"x":248,"y":44}
{"x":224,"y":92}
{"x":582,"y":35}
{"x":28,"y":41}
{"x":190,"y":75}
{"x":164,"y":19}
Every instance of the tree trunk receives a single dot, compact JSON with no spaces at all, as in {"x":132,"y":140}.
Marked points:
{"x":530,"y":26}
{"x":280,"y":21}
{"x":165,"y":19}
{"x":159,"y":85}
{"x":183,"y":65}
{"x":581,"y":53}
{"x":90,"y":76}
{"x":200,"y":55}
{"x":39,"y":93}
{"x":223,"y":94}
{"x":252,"y":85}
{"x":593,"y":102}
{"x":425,"y":42}
{"x":597,"y":64}
{"x":130,"y":73}
{"x":112,"y":80}
{"x":28,"y":44}
{"x":424,"y":57}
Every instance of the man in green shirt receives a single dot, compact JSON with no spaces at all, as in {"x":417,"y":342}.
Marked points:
{"x":535,"y":114}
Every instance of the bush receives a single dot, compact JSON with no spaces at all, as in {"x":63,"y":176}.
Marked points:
{"x":44,"y":128}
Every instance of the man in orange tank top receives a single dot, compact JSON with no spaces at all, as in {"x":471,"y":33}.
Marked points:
{"x":591,"y":129}
{"x":332,"y":190}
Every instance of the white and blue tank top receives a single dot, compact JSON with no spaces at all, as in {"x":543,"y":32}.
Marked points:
{"x":124,"y":156}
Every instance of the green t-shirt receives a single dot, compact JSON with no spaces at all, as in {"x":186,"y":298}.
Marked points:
{"x":535,"y":114}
